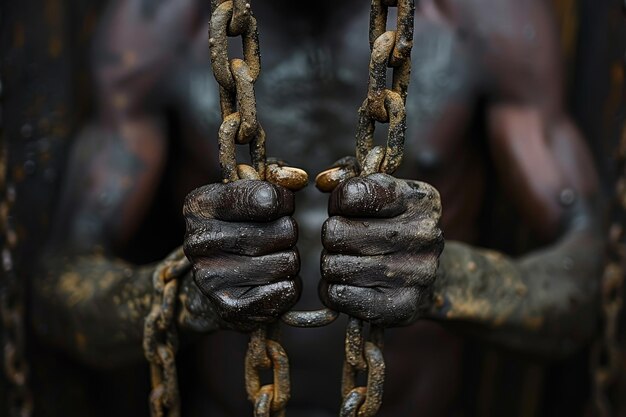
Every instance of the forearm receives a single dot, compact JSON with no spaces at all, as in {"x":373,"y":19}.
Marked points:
{"x":94,"y":308}
{"x":543,"y":303}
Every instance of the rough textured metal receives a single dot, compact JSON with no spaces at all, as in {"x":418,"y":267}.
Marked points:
{"x":389,"y":49}
{"x":607,"y":355}
{"x":362,"y":356}
{"x":264,"y":353}
{"x":317,"y":318}
{"x":236,"y":78}
{"x":160,"y":341}
{"x":16,"y":369}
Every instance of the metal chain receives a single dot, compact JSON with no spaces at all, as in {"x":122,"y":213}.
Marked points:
{"x":362,"y":356}
{"x":607,"y":357}
{"x":389,"y":49}
{"x":267,"y":353}
{"x":12,"y":310}
{"x":607,"y":353}
{"x":236,"y":78}
{"x":160,"y":340}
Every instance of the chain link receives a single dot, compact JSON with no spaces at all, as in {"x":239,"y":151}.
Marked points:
{"x":12,"y":310}
{"x":240,"y":125}
{"x":608,"y":355}
{"x":389,"y":49}
{"x":160,"y":341}
{"x":236,"y":78}
{"x":362,"y":356}
{"x":267,"y":353}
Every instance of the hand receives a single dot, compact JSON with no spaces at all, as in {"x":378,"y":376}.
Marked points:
{"x":241,"y":241}
{"x":381,"y":248}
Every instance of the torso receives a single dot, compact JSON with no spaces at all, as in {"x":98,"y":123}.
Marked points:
{"x":310,"y":88}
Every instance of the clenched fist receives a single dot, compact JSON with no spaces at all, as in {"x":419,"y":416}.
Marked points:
{"x":381,"y":248}
{"x":241,"y":241}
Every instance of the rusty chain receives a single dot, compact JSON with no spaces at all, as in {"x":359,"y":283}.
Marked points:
{"x":389,"y":49}
{"x":160,"y":340}
{"x":12,"y":310}
{"x":236,"y":78}
{"x":608,"y":355}
{"x":362,"y":356}
{"x":265,"y":352}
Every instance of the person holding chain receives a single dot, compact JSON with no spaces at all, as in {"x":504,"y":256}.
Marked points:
{"x":486,"y":127}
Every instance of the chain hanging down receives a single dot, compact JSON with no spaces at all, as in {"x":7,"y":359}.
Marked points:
{"x":12,"y":309}
{"x":160,"y":341}
{"x":236,"y":78}
{"x":389,"y":49}
{"x":608,"y":359}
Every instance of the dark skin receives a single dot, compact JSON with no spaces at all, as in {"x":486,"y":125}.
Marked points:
{"x":241,"y":237}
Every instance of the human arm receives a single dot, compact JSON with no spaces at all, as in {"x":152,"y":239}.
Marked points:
{"x":543,"y":302}
{"x":88,"y":298}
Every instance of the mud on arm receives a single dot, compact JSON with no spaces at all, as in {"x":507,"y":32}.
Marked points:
{"x":87,"y":300}
{"x":547,"y":300}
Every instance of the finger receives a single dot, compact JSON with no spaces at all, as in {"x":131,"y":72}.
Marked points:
{"x":379,"y":236}
{"x":423,"y":199}
{"x":252,"y":239}
{"x":394,"y":307}
{"x":293,"y":179}
{"x":389,"y":271}
{"x":377,"y":195}
{"x":261,"y":304}
{"x":220,"y":272}
{"x":244,"y":200}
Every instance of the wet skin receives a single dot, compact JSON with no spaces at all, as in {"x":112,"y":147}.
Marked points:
{"x":470,"y":69}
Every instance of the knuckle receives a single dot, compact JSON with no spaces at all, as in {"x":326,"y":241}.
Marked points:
{"x":289,"y":228}
{"x":426,"y":197}
{"x":284,"y":264}
{"x":196,"y":201}
{"x":337,"y":298}
{"x":204,"y":239}
{"x":328,"y":265}
{"x":424,"y":271}
{"x":293,"y":262}
{"x":428,"y":232}
{"x":290,"y":294}
{"x":207,"y":281}
{"x":332,"y":233}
